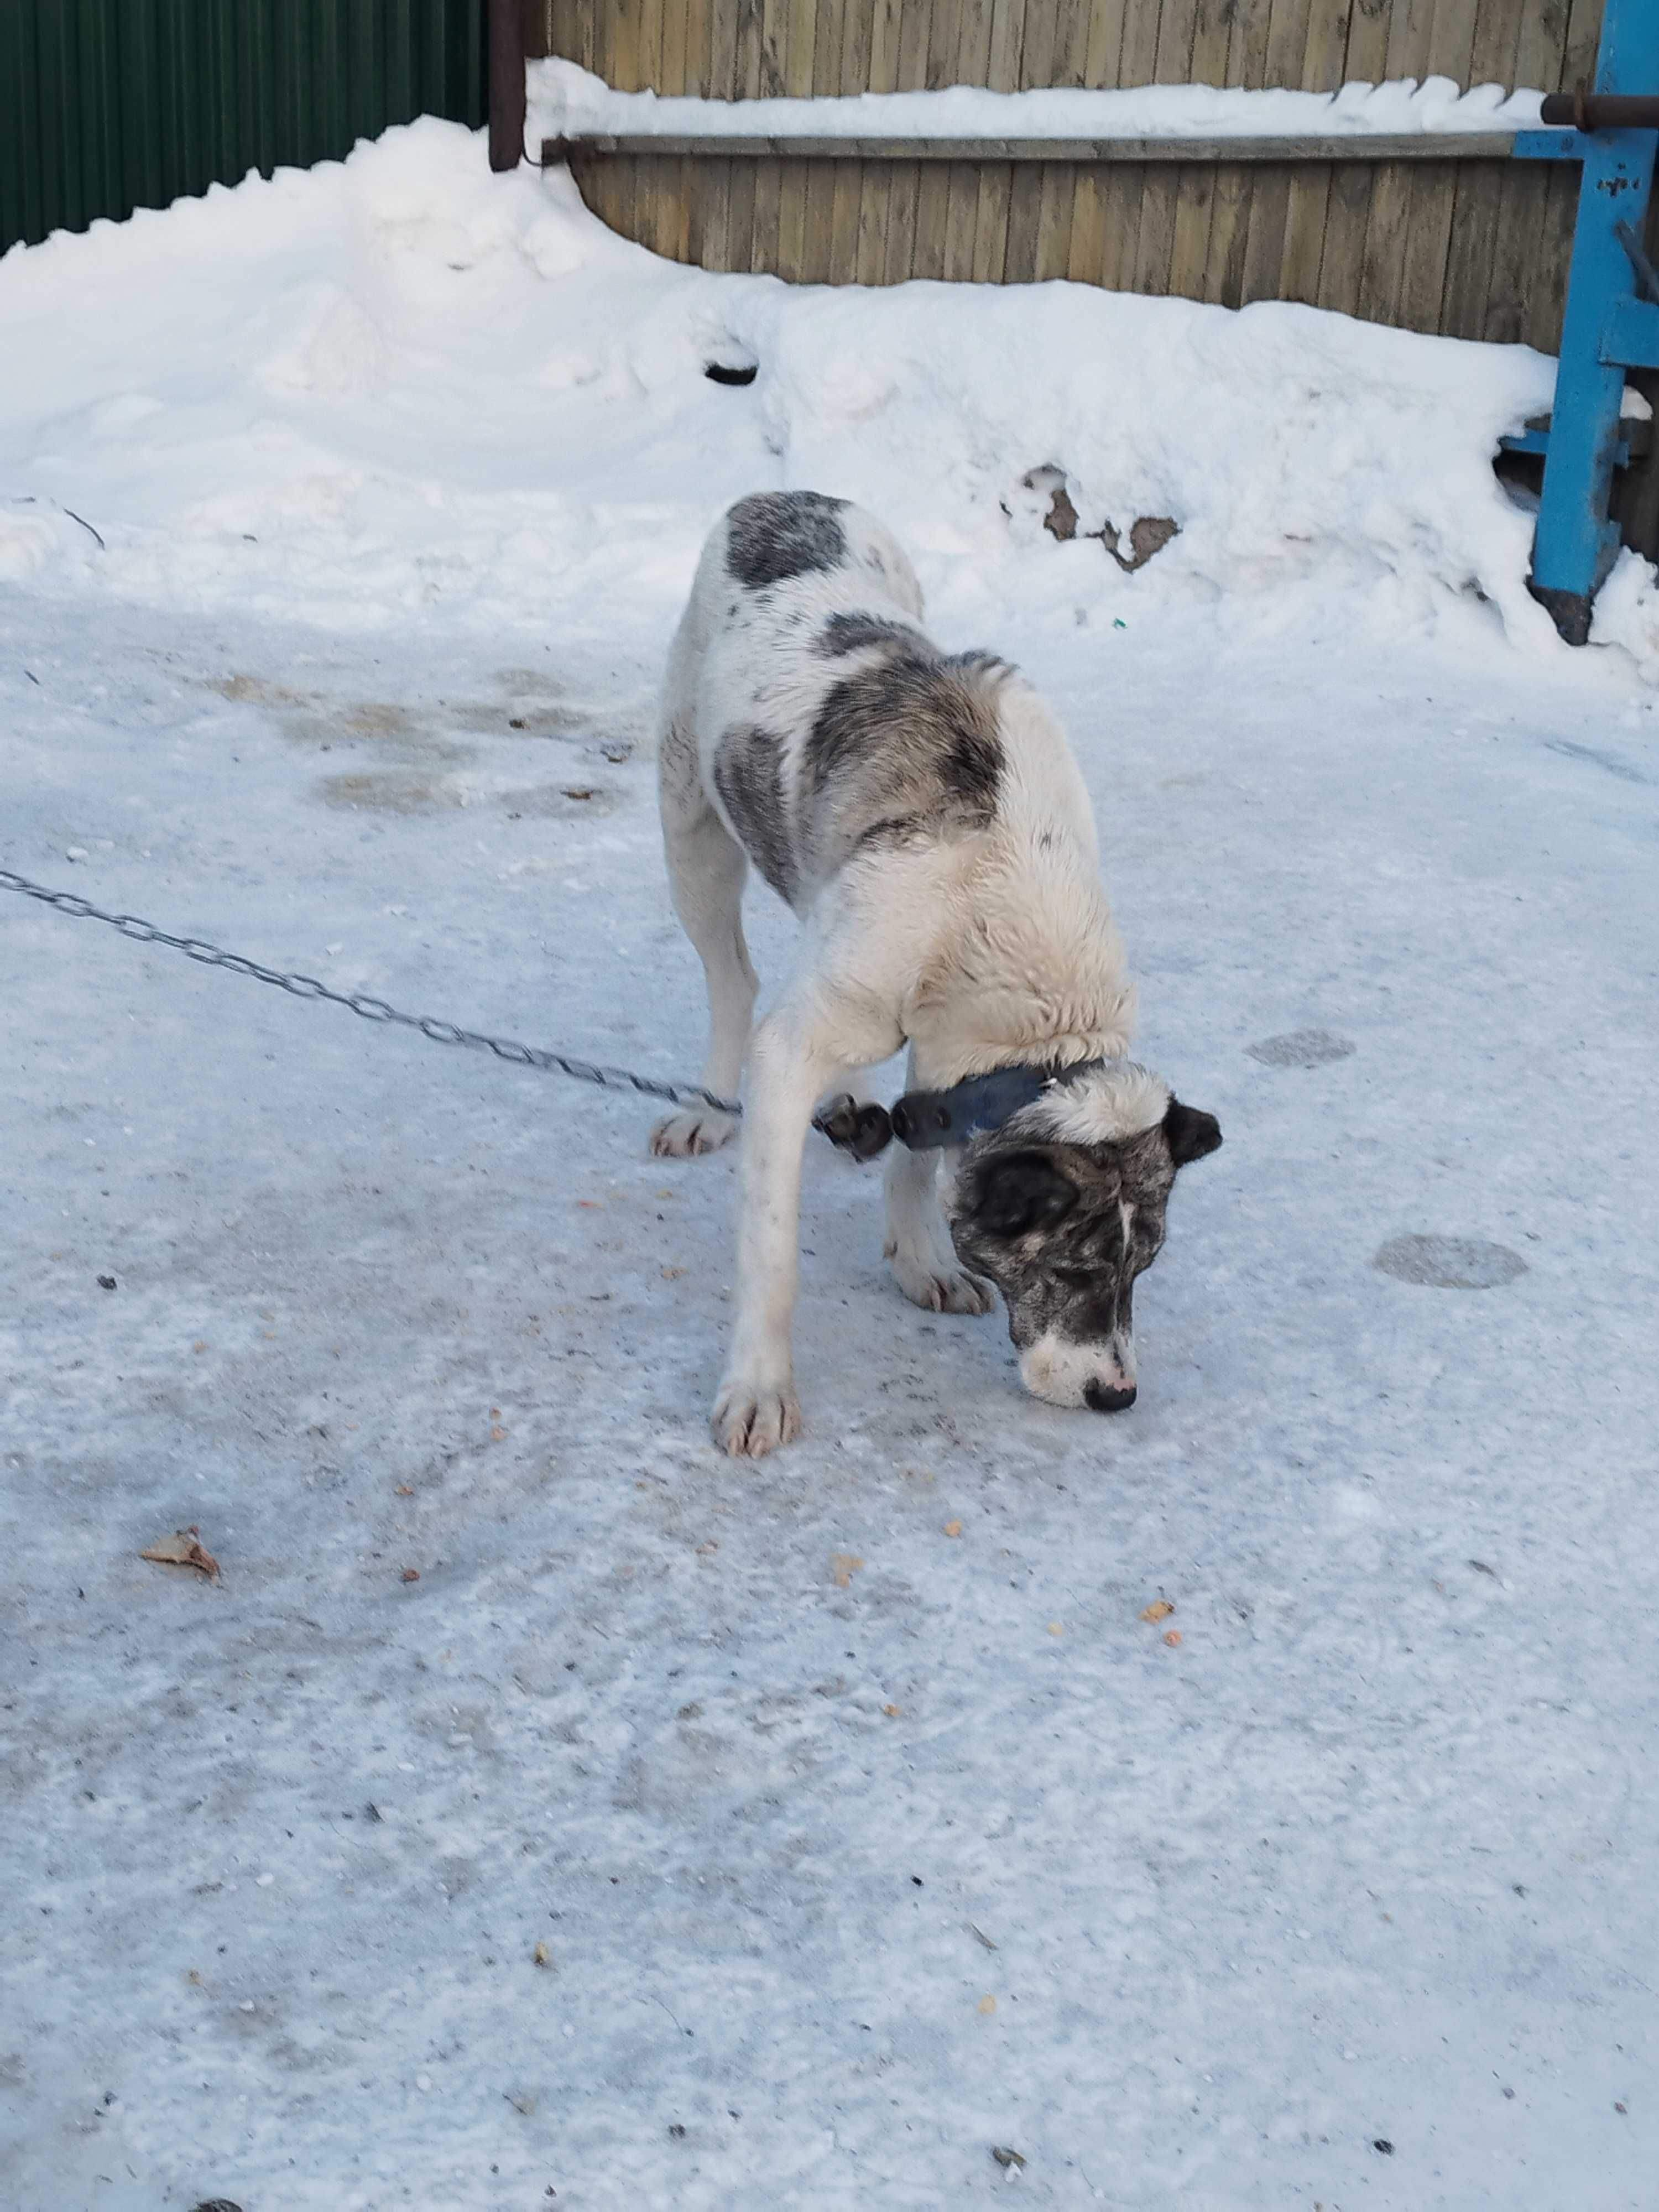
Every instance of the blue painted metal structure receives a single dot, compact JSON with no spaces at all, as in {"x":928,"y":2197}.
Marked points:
{"x":1611,"y":324}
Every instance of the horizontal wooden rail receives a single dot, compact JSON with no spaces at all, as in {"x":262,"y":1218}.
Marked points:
{"x":1353,"y":146}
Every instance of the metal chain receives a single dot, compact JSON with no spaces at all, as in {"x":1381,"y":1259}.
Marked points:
{"x":371,"y":1010}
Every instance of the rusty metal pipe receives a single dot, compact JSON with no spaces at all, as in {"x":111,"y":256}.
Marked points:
{"x":1601,"y":111}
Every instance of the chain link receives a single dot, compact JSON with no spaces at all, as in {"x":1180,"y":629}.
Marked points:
{"x":371,"y":1009}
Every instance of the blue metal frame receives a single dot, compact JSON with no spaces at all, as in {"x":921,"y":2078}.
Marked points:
{"x":1608,"y":327}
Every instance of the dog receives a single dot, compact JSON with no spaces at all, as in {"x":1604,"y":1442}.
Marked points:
{"x":923,"y":814}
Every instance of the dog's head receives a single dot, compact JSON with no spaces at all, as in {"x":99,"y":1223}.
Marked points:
{"x":1062,"y":1208}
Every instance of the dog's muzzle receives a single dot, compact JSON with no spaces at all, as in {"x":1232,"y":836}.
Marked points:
{"x":1100,"y":1375}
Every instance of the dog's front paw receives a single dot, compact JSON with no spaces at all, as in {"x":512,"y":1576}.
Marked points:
{"x":683,"y":1136}
{"x":937,"y":1285}
{"x":753,"y":1417}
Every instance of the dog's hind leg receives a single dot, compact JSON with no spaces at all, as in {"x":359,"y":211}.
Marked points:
{"x":918,"y":1247}
{"x":706,"y":873}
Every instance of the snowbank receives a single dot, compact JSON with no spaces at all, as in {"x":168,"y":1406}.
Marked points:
{"x":566,"y":99}
{"x":401,"y":382}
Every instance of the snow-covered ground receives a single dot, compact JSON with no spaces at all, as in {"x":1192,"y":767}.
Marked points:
{"x":846,"y":1874}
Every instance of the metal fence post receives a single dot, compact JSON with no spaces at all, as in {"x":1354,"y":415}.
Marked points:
{"x":507,"y":92}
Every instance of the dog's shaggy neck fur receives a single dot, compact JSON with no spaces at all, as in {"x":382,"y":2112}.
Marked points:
{"x":1031,"y":969}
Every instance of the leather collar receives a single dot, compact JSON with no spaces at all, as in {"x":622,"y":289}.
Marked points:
{"x":926,"y":1121}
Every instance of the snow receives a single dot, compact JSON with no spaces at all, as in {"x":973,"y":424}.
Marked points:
{"x":400,"y":471}
{"x":568,"y":101}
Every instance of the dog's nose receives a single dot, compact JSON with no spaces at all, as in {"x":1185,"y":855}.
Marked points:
{"x":1102,"y":1399}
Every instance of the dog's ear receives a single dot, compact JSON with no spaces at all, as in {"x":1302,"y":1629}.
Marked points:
{"x":1025,"y":1191}
{"x":1190,"y":1133}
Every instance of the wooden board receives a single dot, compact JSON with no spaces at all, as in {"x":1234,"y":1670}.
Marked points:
{"x":1365,"y":151}
{"x":1227,"y":266}
{"x":1206,"y":63}
{"x":870,"y":265}
{"x":976,"y":29}
{"x":1428,"y":242}
{"x":938,"y":68}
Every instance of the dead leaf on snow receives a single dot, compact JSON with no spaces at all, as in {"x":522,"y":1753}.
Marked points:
{"x":184,"y":1548}
{"x":953,"y":1527}
{"x":542,"y":1955}
{"x":843,"y":1565}
{"x":1003,"y":2156}
{"x":1172,"y":1637}
{"x":988,"y":2005}
{"x":1159,"y":1609}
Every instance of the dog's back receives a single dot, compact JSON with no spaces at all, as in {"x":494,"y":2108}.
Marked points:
{"x":809,"y":704}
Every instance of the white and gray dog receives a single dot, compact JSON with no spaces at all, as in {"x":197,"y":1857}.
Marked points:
{"x":923,"y":814}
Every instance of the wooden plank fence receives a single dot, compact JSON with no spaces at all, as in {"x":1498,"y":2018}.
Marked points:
{"x":1443,"y":236}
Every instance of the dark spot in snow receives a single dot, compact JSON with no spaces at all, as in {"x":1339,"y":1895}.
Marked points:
{"x":723,"y":372}
{"x":106,"y":1282}
{"x":1622,"y":769}
{"x":1382,"y":2144}
{"x":1449,"y":1263}
{"x":1301,"y":1048}
{"x":676,"y":2131}
{"x":394,"y":793}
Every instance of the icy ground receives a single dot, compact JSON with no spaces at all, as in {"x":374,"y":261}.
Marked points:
{"x":846,"y":1873}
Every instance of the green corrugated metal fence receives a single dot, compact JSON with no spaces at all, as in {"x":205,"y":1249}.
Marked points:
{"x":110,"y":104}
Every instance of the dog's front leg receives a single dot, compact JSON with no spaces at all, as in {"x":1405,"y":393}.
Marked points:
{"x":791,"y":1061}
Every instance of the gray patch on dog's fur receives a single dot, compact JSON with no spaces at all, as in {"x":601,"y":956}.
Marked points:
{"x":908,"y":746}
{"x":1301,"y":1048}
{"x":852,"y":633}
{"x":748,"y":777}
{"x":679,"y":766}
{"x":1449,"y":1263}
{"x":774,"y":535}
